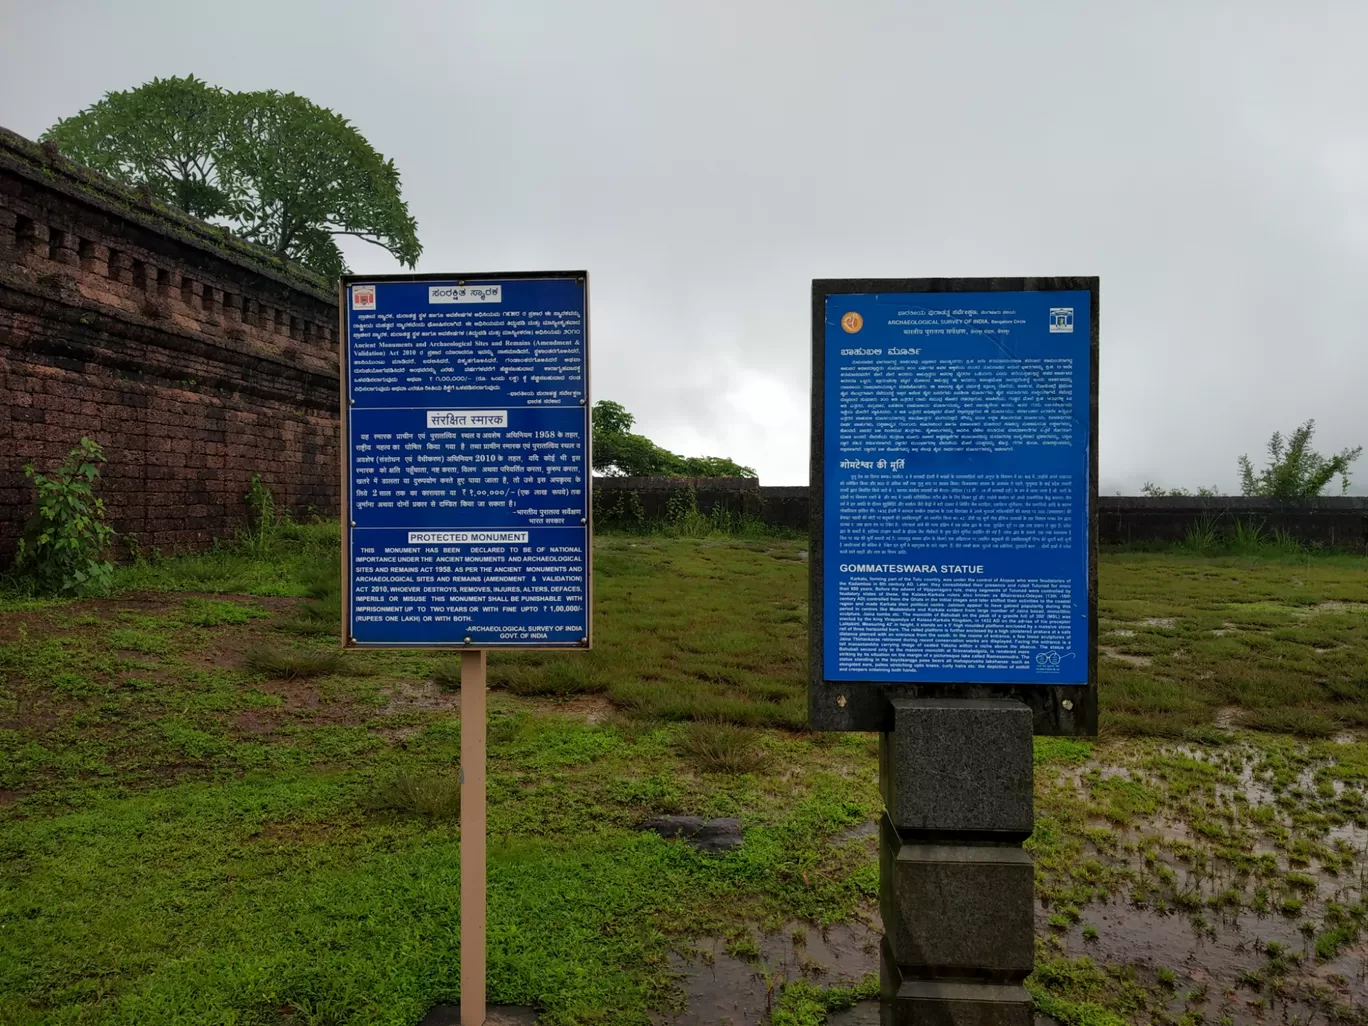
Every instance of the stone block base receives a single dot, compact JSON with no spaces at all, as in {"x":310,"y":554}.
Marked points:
{"x":948,"y":908}
{"x":916,"y":1002}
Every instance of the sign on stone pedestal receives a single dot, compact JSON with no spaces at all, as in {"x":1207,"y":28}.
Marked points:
{"x":953,"y":599}
{"x":954,"y":497}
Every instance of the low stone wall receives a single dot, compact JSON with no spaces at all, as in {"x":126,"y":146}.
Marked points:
{"x":1340,"y":523}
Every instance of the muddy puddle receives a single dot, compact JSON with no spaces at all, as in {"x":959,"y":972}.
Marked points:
{"x":1239,"y":894}
{"x":719,"y":988}
{"x":1252,"y":968}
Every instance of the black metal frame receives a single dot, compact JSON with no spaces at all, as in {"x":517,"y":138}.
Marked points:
{"x":1059,"y":709}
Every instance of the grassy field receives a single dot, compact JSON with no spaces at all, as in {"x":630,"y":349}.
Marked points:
{"x":208,"y":816}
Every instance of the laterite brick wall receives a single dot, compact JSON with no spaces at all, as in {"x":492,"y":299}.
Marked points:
{"x":194,"y":361}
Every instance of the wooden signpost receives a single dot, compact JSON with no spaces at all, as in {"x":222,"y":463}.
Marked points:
{"x":466,"y":481}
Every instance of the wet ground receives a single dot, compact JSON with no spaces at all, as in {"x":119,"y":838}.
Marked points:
{"x":1228,"y":883}
{"x":731,"y":988}
{"x":1223,"y":885}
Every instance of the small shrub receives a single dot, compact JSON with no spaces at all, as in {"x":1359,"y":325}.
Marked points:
{"x":291,"y":663}
{"x":262,"y":524}
{"x":723,"y":748}
{"x":447,"y":675}
{"x":63,"y":549}
{"x":436,"y":795}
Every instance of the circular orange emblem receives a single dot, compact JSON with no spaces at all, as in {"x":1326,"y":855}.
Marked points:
{"x":852,"y":322}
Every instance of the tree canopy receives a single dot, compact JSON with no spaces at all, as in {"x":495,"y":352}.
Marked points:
{"x":619,"y":452}
{"x":276,"y":168}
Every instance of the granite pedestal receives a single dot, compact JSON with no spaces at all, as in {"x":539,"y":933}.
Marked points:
{"x":956,"y":887}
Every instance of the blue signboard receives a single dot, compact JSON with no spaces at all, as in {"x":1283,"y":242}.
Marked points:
{"x":956,"y":485}
{"x":467,"y":458}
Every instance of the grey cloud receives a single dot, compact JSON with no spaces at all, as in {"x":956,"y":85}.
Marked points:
{"x":705,"y":161}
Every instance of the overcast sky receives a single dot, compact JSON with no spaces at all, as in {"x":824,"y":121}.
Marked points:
{"x":706,"y":161}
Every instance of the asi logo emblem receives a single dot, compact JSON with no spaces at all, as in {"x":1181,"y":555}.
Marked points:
{"x":852,"y":322}
{"x":1061,"y":319}
{"x":363,"y":297}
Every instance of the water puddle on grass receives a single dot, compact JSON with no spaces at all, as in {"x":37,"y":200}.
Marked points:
{"x":1240,"y":892}
{"x":1254,"y":968}
{"x":721,"y":989}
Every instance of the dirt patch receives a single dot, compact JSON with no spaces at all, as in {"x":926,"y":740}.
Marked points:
{"x":399,"y":734}
{"x":254,"y":721}
{"x":1227,"y":717}
{"x":592,"y":709}
{"x":302,"y":700}
{"x":1134,"y":660}
{"x":869,"y":828}
{"x":1158,"y":621}
{"x":503,"y":1015}
{"x":420,"y":696}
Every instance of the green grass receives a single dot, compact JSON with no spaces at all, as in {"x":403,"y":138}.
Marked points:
{"x":207,"y":815}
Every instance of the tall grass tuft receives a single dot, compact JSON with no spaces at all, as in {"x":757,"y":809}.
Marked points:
{"x":435,"y":795}
{"x":1201,"y":537}
{"x":723,"y":748}
{"x":291,"y":663}
{"x":1301,"y":722}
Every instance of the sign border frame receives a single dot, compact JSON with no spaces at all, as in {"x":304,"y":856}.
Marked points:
{"x":344,"y":452}
{"x":864,"y":705}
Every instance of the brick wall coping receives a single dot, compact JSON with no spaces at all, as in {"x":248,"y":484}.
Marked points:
{"x":44,"y":164}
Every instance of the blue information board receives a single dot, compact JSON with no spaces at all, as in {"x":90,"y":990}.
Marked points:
{"x":956,"y":483}
{"x":467,"y":486}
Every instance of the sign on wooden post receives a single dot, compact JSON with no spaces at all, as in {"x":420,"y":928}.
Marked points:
{"x":466,"y":486}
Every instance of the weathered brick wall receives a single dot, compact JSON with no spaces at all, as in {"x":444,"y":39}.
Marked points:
{"x":192,"y":360}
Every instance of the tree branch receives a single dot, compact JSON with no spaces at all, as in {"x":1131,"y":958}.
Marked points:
{"x":360,"y":235}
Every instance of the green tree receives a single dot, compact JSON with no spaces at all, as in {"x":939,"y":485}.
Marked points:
{"x":167,"y":134}
{"x":303,"y":176}
{"x":274,"y":167}
{"x":1295,"y":470}
{"x":620,"y":452}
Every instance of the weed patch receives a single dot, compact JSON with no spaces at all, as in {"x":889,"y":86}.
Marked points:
{"x":723,"y":748}
{"x":436,"y":795}
{"x":291,"y":663}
